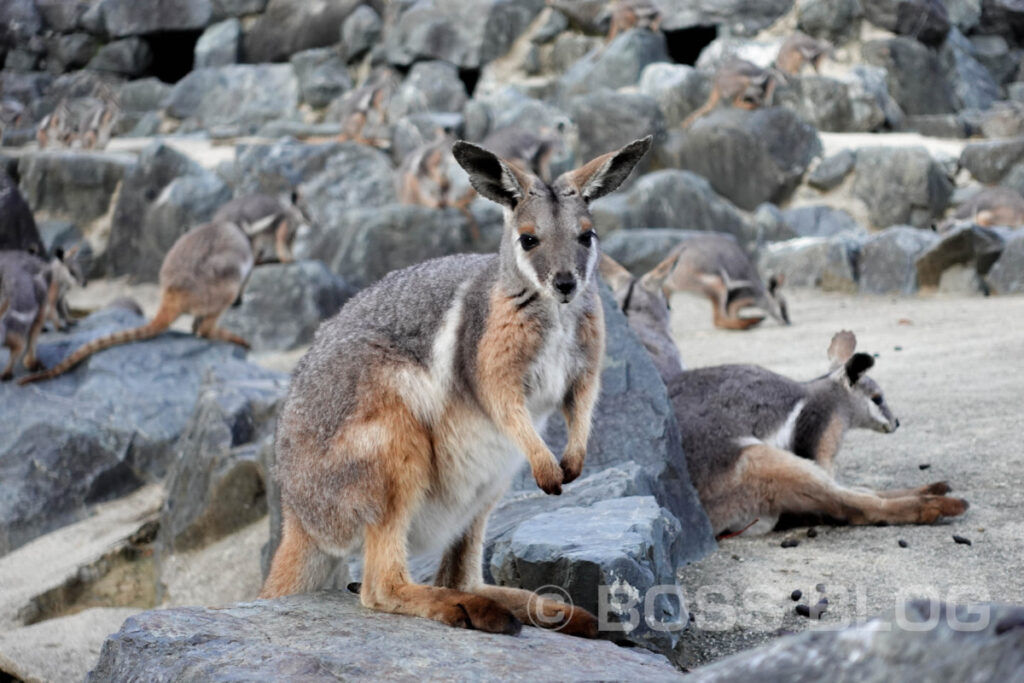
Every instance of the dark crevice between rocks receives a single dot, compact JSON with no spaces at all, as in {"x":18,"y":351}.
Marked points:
{"x":686,"y":44}
{"x":173,"y":54}
{"x":469,"y":77}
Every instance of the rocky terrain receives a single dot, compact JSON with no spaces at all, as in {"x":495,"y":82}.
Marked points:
{"x":886,"y":186}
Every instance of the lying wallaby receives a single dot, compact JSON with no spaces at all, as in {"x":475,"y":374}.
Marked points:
{"x":27,"y":291}
{"x":413,"y":409}
{"x":800,"y":49}
{"x":759,"y":444}
{"x":987,"y":207}
{"x":643,"y":302}
{"x":741,"y":84}
{"x":714,"y":265}
{"x":203,"y":274}
{"x":629,"y":14}
{"x":270,"y":222}
{"x":532,"y":149}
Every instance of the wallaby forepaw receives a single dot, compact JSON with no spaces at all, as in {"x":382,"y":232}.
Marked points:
{"x":549,"y":478}
{"x":939,"y":488}
{"x":933,"y":507}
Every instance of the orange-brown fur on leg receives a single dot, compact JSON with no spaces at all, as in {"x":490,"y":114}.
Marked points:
{"x":508,"y":345}
{"x":582,"y":396}
{"x":298,"y":565}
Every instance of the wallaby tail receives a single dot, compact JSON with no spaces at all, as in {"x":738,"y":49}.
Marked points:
{"x":170,"y":309}
{"x":704,"y":109}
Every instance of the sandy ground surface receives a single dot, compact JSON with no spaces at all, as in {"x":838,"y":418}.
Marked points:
{"x":955,"y":378}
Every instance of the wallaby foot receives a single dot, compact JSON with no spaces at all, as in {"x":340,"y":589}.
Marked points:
{"x":298,"y":565}
{"x":207,"y":328}
{"x":530,"y":608}
{"x":939,"y":488}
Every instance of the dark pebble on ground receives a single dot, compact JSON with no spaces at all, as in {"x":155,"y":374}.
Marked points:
{"x":820,"y":588}
{"x":903,"y":544}
{"x":803,"y":610}
{"x":924,"y":466}
{"x":812,"y":532}
{"x":790,"y":543}
{"x":961,"y":540}
{"x":796,"y":595}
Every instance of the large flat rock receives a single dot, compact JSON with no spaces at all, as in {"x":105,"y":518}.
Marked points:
{"x":329,"y":636}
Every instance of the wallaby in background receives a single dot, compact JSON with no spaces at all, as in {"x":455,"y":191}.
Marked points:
{"x":423,"y":179}
{"x":988,"y":207}
{"x":714,"y":264}
{"x":85,"y":123}
{"x":363,"y":111}
{"x":66,"y":270}
{"x":740,"y":84}
{"x":629,"y":14}
{"x":643,"y":302}
{"x":408,"y":417}
{"x":533,"y":149}
{"x":203,"y":274}
{"x":27,"y":292}
{"x":270,"y":222}
{"x":800,"y":49}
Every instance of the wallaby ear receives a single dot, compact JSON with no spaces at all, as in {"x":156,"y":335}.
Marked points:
{"x":653,"y":279}
{"x":258,"y":226}
{"x":617,"y":277}
{"x":776,"y":281}
{"x":499,"y":180}
{"x":858,"y":364}
{"x":58,"y":253}
{"x":604,"y":174}
{"x":841,"y":349}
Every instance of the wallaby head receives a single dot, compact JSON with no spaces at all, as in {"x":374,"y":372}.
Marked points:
{"x":772,"y":301}
{"x":642,"y":300}
{"x":867,"y":406}
{"x":68,"y":267}
{"x":549,"y":244}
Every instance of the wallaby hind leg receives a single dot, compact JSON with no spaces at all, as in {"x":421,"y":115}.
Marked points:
{"x":206,"y":327}
{"x":387,"y":585}
{"x":724,"y":315}
{"x":298,"y":565}
{"x":784,"y":482}
{"x":30,"y":362}
{"x":460,"y":569}
{"x":939,"y":488}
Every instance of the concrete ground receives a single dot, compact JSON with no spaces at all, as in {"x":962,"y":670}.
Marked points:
{"x":952,"y":369}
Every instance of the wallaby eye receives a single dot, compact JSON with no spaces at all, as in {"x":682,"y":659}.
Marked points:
{"x":877,"y":400}
{"x":587,"y":238}
{"x":528,"y":241}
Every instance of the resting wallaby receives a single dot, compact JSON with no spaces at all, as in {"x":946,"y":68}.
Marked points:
{"x":203,"y":274}
{"x":629,"y":14}
{"x":741,"y":84}
{"x":27,"y":291}
{"x":714,"y":265}
{"x":987,"y":207}
{"x":271,"y":223}
{"x":800,"y":49}
{"x":758,"y":444}
{"x":413,"y":409}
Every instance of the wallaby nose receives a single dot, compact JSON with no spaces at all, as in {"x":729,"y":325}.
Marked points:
{"x":565,"y":283}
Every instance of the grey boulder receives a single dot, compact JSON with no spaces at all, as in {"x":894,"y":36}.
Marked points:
{"x":829,"y":263}
{"x":679,"y":89}
{"x":916,"y":76}
{"x":832,"y":170}
{"x":1007,"y":274}
{"x":126,"y":57}
{"x":219,"y":44}
{"x":888,"y":260}
{"x":299,"y":636}
{"x":748,"y":157}
{"x":69,"y":185}
{"x":280,"y":167}
{"x":615,"y":65}
{"x":322,"y":75}
{"x":820,"y":221}
{"x":239,"y":97}
{"x":432,"y":86}
{"x":283,"y":304}
{"x":925,"y":20}
{"x":139,"y":17}
{"x":989,"y":161}
{"x":972,"y":246}
{"x":616,"y":558}
{"x":607,"y":120}
{"x":289,"y":26}
{"x":901,"y":185}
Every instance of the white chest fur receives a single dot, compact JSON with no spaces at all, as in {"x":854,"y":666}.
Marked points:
{"x":556,"y":363}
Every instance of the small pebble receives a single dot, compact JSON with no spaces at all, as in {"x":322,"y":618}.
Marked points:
{"x":924,"y":466}
{"x":790,"y":543}
{"x":812,"y":533}
{"x":903,"y":544}
{"x":962,"y":540}
{"x":803,"y":610}
{"x":820,"y":588}
{"x":897,"y":348}
{"x":796,"y":595}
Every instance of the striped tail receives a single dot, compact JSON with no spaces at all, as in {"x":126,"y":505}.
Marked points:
{"x":167,"y":314}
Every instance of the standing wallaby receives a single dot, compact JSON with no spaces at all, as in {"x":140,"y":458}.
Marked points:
{"x":758,"y":444}
{"x":203,"y":274}
{"x":413,"y":409}
{"x":714,"y":265}
{"x":27,"y":291}
{"x":741,"y":84}
{"x":271,"y":223}
{"x":66,"y":270}
{"x":800,"y":49}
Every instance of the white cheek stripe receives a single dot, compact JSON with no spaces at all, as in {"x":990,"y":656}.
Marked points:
{"x":524,"y":265}
{"x":784,"y":437}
